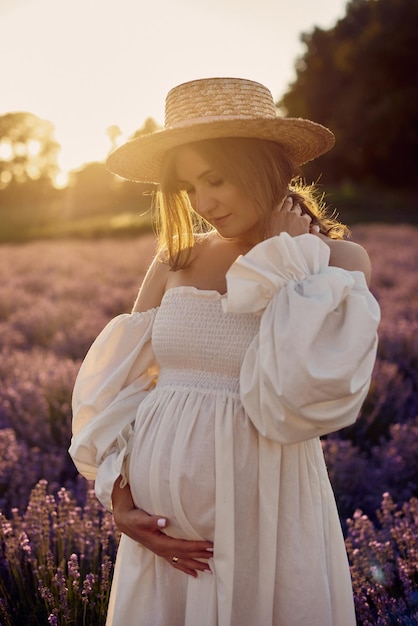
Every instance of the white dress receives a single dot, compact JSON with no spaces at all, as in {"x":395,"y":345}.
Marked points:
{"x":212,"y":407}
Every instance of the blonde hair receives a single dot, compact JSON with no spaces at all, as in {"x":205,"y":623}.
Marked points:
{"x":257,"y":167}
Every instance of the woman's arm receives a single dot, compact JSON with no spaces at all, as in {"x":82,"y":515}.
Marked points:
{"x":153,"y":287}
{"x":308,"y":369}
{"x":349,"y":256}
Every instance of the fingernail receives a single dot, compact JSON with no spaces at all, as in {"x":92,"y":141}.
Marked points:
{"x":161,"y":522}
{"x":209,"y":549}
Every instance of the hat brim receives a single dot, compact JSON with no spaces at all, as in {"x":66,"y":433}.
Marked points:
{"x":140,"y":159}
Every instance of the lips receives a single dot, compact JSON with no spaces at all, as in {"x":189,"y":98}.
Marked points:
{"x":220,"y":220}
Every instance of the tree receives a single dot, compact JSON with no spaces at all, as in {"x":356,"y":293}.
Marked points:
{"x":28,"y":150}
{"x":113,"y":132}
{"x":28,"y":167}
{"x":149,"y":126}
{"x":91,"y":190}
{"x":360,"y":78}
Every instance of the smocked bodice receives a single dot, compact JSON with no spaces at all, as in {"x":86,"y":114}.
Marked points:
{"x":191,"y":332}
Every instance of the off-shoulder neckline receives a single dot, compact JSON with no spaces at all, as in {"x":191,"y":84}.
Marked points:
{"x":185,"y":289}
{"x":210,"y":293}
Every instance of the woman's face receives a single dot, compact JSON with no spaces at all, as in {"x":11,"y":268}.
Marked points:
{"x":219,"y":202}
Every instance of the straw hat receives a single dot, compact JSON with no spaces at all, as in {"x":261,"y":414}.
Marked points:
{"x":218,"y":107}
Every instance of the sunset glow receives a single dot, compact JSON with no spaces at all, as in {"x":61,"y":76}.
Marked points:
{"x":89,"y":64}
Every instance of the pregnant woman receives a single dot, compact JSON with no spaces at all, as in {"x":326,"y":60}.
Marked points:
{"x":199,"y":415}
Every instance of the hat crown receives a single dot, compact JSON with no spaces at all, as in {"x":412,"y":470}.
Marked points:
{"x":216,"y":99}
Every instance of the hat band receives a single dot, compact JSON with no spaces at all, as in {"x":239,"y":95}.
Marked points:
{"x":213,"y":118}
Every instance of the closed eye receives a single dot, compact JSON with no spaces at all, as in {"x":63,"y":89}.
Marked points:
{"x":212,"y":183}
{"x":216,"y":183}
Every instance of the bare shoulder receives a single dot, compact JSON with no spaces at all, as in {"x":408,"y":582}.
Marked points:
{"x":153,"y":286}
{"x":350,"y":256}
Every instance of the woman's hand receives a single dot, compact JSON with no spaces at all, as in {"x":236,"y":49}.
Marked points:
{"x":288,"y":217}
{"x":147,"y":529}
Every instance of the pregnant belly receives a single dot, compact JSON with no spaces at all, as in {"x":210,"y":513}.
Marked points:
{"x":172,"y":462}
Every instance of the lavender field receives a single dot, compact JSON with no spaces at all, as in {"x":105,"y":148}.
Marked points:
{"x":57,"y":545}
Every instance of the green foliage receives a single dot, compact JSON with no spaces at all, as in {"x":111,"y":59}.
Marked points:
{"x":95,"y":203}
{"x":149,"y":126}
{"x":357,"y":204}
{"x":28,"y":150}
{"x":360,"y":78}
{"x":28,"y":167}
{"x":93,"y":190}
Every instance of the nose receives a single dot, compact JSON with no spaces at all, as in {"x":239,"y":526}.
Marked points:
{"x":205,"y":203}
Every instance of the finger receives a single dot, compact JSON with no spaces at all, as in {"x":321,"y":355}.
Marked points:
{"x":195,"y":564}
{"x":145,"y":521}
{"x":190,"y":566}
{"x":167,"y":547}
{"x":314,"y":229}
{"x":188,"y":555}
{"x":193,"y":548}
{"x":296,"y":208}
{"x":156,"y":522}
{"x":195,"y":554}
{"x":182,"y":567}
{"x":285,"y":205}
{"x":187,"y":570}
{"x":180,"y":550}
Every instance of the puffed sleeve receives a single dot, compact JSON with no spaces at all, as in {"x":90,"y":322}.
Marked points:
{"x":116,"y":375}
{"x":308,"y":370}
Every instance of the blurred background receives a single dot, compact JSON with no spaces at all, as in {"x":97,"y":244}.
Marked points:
{"x":82,"y":77}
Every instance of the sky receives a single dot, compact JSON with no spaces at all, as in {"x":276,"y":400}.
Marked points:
{"x":88,"y":64}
